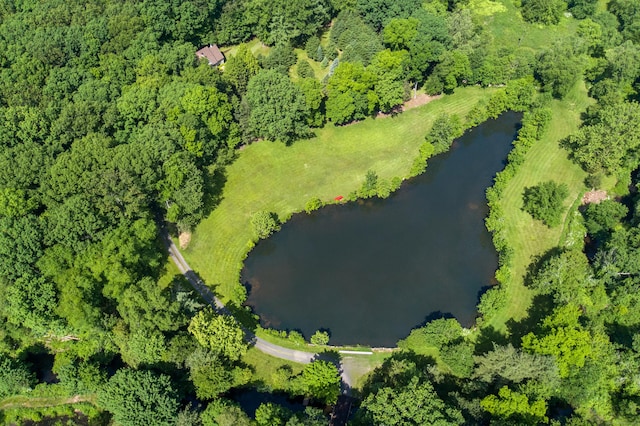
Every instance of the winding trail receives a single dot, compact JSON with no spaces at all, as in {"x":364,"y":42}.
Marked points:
{"x":260,"y":344}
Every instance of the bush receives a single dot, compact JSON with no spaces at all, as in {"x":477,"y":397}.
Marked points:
{"x":137,"y":397}
{"x":478,"y":114}
{"x":420,"y":163}
{"x":593,"y":181}
{"x":369,"y":187}
{"x":437,"y":333}
{"x":492,"y":301}
{"x":544,"y":202}
{"x":15,"y":377}
{"x":296,"y":338}
{"x":313,"y":204}
{"x":264,"y":224}
{"x":320,"y":338}
{"x":459,"y":358}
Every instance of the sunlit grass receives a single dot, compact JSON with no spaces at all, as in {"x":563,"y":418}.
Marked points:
{"x":264,"y":366}
{"x":510,"y":32}
{"x":281,"y":179}
{"x":544,"y":161}
{"x":255,"y":46}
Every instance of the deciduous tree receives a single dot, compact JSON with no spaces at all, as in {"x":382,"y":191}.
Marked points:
{"x":140,"y":397}
{"x":219,"y":333}
{"x":278,"y":110}
{"x":545,"y":202}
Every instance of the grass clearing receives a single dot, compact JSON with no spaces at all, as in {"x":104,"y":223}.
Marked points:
{"x":23,"y":401}
{"x":544,"y":161}
{"x":264,"y":366}
{"x":319,"y":71}
{"x":255,"y":46}
{"x":503,"y":19}
{"x":358,"y":367}
{"x":281,"y":179}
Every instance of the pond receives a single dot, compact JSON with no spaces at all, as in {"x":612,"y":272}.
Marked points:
{"x":372,"y":270}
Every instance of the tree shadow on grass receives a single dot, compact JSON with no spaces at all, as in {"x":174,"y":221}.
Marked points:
{"x":398,"y":370}
{"x":487,"y":338}
{"x":214,"y":182}
{"x":541,"y":307}
{"x":538,"y":262}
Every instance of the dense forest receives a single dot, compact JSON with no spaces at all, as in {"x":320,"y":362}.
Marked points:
{"x":113,"y":133}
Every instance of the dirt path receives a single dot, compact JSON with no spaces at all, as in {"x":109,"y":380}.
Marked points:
{"x":419,"y":100}
{"x":43,"y":402}
{"x":346,"y":367}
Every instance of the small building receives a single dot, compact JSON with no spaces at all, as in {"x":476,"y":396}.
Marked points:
{"x":213,"y":55}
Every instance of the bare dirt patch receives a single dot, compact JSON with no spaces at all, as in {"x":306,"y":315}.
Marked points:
{"x":184,"y":239}
{"x":421,"y":99}
{"x":594,"y":196}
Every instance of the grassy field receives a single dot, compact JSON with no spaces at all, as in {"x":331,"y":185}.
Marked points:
{"x":281,"y":179}
{"x":545,"y":161}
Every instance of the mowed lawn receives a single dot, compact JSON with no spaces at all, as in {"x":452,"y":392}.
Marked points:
{"x":281,"y":179}
{"x":545,"y":161}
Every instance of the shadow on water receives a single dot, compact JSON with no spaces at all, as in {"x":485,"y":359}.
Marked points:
{"x":369,"y":271}
{"x":41,"y":364}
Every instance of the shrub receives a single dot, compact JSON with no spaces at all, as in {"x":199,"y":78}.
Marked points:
{"x":420,"y":163}
{"x":320,"y":338}
{"x":369,"y":187}
{"x":296,"y":338}
{"x":459,"y":358}
{"x":384,"y":189}
{"x":492,"y":301}
{"x":437,"y":333}
{"x":478,"y":114}
{"x":604,"y":216}
{"x":313,"y":204}
{"x":543,"y":11}
{"x":264,"y":224}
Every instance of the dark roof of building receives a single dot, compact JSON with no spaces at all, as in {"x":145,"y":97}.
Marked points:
{"x":212,"y":53}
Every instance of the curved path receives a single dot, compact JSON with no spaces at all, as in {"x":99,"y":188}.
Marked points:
{"x":260,"y":344}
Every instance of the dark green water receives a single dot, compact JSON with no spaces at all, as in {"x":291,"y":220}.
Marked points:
{"x":371,"y":271}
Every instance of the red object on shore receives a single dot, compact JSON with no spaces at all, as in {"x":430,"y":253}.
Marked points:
{"x":339,"y":198}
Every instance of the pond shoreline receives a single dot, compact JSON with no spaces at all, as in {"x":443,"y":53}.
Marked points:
{"x":435,"y":164}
